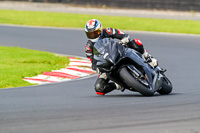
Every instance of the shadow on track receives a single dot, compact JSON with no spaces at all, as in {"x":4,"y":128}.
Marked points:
{"x":135,"y":95}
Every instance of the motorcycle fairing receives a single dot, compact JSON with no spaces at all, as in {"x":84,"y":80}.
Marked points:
{"x":106,"y":61}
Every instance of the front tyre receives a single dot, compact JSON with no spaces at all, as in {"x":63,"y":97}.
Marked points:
{"x":133,"y":83}
{"x":166,"y":87}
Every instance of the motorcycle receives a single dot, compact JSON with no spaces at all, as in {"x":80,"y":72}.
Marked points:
{"x":129,"y":68}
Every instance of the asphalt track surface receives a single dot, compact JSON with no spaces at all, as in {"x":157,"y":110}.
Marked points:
{"x":73,"y":107}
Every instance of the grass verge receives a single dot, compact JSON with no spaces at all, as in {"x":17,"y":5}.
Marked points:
{"x":37,"y":18}
{"x":17,"y":63}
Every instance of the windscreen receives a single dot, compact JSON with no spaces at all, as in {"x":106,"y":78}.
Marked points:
{"x":101,"y":46}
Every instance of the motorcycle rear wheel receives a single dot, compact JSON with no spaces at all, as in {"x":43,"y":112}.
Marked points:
{"x":129,"y":79}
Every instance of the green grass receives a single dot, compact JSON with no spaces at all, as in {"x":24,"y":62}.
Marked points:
{"x":37,"y":18}
{"x":17,"y":63}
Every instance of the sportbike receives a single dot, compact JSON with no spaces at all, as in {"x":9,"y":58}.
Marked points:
{"x":129,"y":68}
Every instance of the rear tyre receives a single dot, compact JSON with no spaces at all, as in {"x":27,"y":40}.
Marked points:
{"x":166,"y":87}
{"x":131,"y":81}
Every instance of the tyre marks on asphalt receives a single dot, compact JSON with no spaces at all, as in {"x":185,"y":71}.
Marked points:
{"x":77,"y":68}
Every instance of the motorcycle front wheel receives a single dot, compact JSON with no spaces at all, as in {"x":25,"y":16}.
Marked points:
{"x":130,"y":80}
{"x":166,"y":87}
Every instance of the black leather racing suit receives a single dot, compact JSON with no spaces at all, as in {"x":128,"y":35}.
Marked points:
{"x":102,"y":86}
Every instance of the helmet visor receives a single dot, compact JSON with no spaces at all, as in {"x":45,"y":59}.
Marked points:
{"x":94,"y":34}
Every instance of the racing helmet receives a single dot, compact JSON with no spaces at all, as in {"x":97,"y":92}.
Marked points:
{"x":93,"y":29}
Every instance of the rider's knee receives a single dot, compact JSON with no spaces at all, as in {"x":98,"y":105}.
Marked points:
{"x":100,"y":85}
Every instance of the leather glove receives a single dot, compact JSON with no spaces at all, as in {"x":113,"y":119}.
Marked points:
{"x":153,"y":62}
{"x":125,"y":40}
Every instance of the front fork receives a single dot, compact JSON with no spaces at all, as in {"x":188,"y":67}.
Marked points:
{"x":159,"y":79}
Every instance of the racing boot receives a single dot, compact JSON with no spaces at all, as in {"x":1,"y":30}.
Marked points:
{"x":119,"y":87}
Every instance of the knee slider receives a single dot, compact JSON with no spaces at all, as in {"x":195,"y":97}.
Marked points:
{"x":100,"y":85}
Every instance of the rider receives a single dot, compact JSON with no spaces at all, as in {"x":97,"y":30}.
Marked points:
{"x":94,"y":31}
